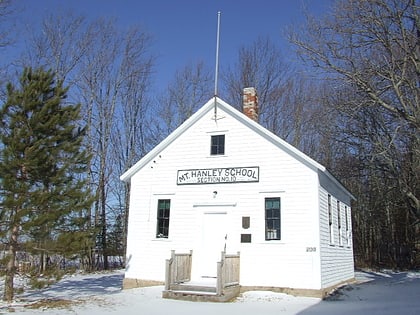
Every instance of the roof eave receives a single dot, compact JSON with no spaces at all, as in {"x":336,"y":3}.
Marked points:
{"x":169,"y":139}
{"x":242,"y":118}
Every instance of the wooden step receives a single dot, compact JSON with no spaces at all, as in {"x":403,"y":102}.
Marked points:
{"x":200,"y":293}
{"x":195,"y":296}
{"x":193,"y":288}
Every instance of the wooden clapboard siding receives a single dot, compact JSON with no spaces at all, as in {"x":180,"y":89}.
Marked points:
{"x":336,"y":260}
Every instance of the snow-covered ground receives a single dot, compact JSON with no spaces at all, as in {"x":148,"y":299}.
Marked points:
{"x":94,"y":294}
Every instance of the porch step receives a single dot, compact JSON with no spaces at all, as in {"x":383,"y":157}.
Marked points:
{"x":193,"y":288}
{"x":197,"y":293}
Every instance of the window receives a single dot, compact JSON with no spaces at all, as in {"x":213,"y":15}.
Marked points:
{"x":162,"y":229}
{"x":217,"y":145}
{"x":340,"y":241}
{"x":330,"y":221}
{"x":347,"y":225}
{"x":272,"y":219}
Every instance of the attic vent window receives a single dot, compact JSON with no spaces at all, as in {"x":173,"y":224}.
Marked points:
{"x":217,"y":145}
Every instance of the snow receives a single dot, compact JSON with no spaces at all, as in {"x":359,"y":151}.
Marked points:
{"x":383,"y":292}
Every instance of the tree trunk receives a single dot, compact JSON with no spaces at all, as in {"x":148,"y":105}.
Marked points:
{"x":103,"y":220}
{"x":10,"y":268}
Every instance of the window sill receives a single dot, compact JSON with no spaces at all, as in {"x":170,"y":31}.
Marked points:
{"x":162,"y":239}
{"x":274,"y":242}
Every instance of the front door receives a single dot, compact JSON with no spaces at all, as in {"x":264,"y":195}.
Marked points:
{"x":214,"y":239}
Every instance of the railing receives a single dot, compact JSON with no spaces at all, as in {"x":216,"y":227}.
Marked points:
{"x":178,"y":269}
{"x":227,"y":272}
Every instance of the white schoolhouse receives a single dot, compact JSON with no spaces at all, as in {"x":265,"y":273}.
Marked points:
{"x":222,"y":183}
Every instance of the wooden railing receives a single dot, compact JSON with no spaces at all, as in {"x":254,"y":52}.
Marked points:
{"x":178,"y":269}
{"x":227,"y":272}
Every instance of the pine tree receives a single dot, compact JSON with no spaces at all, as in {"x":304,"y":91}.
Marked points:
{"x":44,"y":197}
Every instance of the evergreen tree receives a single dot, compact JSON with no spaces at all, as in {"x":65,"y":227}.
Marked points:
{"x":44,"y":197}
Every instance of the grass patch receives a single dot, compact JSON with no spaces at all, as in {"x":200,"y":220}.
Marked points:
{"x":53,"y":303}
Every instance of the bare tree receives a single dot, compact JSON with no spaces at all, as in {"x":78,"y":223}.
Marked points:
{"x":288,"y":102}
{"x":132,"y":135}
{"x":108,"y":70}
{"x":259,"y":65}
{"x":61,"y":45}
{"x":369,"y":54}
{"x":8,"y":37}
{"x":5,"y":31}
{"x":374,"y":48}
{"x":188,"y":91}
{"x":116,"y":71}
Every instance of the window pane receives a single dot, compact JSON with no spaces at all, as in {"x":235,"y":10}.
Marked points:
{"x":222,"y":144}
{"x":217,"y":145}
{"x":272,"y":219}
{"x":330,"y":226}
{"x":163,"y":213}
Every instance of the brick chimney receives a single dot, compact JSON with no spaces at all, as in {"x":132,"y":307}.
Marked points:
{"x":250,"y":103}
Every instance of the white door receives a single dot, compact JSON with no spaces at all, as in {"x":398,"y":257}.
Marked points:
{"x":213,"y":242}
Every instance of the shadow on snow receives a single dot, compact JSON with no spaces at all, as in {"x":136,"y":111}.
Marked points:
{"x":75,"y":287}
{"x":375,"y":293}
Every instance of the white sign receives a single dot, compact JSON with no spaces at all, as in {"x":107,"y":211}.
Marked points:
{"x":218,"y":175}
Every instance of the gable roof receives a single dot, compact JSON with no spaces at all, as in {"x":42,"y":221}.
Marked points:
{"x":265,"y":133}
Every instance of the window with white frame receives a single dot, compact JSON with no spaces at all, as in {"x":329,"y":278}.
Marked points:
{"x":330,"y":220}
{"x":272,"y":219}
{"x":340,"y":235}
{"x":346,"y":213}
{"x":163,"y":213}
{"x":217,"y":146}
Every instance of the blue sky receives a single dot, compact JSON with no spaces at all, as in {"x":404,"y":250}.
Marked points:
{"x":184,"y":31}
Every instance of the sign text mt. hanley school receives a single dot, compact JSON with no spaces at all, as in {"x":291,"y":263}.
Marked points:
{"x":218,"y":175}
